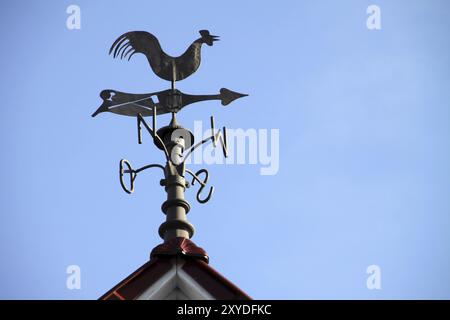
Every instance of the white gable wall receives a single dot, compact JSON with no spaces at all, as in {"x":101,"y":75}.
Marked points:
{"x":176,"y":285}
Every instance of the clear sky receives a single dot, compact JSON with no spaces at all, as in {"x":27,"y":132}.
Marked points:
{"x":364,"y":122}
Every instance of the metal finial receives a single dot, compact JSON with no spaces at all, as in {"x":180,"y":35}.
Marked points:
{"x":176,"y":142}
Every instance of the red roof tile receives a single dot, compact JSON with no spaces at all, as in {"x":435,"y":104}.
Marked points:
{"x":195,"y":265}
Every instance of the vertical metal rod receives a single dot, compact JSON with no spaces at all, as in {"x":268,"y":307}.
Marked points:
{"x":154,"y":119}
{"x":225,"y":149}
{"x":174,"y":73}
{"x":174,"y":118}
{"x":139,"y":129}
{"x":213,"y":132}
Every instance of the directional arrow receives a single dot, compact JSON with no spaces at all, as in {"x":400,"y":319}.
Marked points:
{"x":168,"y":101}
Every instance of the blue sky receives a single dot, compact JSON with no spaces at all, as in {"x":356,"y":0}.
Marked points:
{"x":364,"y":146}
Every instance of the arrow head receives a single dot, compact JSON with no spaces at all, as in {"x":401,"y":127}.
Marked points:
{"x":228,"y":96}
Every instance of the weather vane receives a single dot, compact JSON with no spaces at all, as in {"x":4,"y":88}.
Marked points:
{"x":176,"y":142}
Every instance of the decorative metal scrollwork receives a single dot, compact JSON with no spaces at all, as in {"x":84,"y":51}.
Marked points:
{"x":195,"y":177}
{"x":133,"y":173}
{"x":215,"y":138}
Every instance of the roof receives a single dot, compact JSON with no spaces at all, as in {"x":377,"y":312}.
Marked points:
{"x":177,"y":270}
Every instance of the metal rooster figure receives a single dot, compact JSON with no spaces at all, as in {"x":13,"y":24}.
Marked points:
{"x":176,"y":142}
{"x":165,"y":66}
